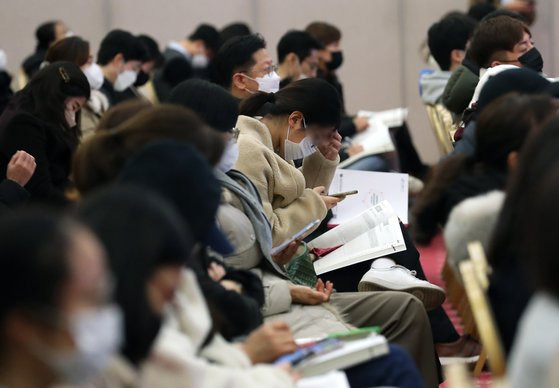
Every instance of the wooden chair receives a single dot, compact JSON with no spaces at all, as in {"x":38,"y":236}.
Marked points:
{"x":438,"y":124}
{"x":492,"y":347}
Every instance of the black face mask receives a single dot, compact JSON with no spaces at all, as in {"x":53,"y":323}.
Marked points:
{"x":336,"y":61}
{"x":141,"y":79}
{"x":532,"y":59}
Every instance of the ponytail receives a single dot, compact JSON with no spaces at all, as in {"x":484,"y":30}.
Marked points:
{"x":253,"y":106}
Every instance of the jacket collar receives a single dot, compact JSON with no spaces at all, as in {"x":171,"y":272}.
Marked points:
{"x":256,"y":129}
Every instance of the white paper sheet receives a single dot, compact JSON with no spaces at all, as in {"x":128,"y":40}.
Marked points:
{"x":374,"y":187}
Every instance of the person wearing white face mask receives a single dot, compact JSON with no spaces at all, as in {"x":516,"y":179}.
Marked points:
{"x":298,"y":122}
{"x":119,"y":60}
{"x":43,"y":120}
{"x":244,"y":67}
{"x":298,"y":55}
{"x":198,"y":49}
{"x":59,"y":325}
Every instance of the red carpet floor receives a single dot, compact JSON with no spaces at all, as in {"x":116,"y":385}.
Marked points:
{"x":432,"y":259}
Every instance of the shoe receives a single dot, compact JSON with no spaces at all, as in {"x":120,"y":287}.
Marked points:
{"x":465,"y":350}
{"x":386,"y":275}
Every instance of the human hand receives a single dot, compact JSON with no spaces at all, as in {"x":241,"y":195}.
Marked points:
{"x":361,"y":123}
{"x":311,"y":296}
{"x":355,"y":149}
{"x":21,"y":168}
{"x":216,"y":271}
{"x":268,"y":342}
{"x":329,"y":202}
{"x":287,"y":254}
{"x":331,"y":148}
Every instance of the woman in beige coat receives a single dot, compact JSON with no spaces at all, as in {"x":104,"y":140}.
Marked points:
{"x":296,"y":124}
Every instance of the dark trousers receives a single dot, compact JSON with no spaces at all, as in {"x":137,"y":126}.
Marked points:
{"x":346,"y":280}
{"x":395,"y":369}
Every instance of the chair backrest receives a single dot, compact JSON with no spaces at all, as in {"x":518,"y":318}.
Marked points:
{"x":479,"y":260}
{"x":483,"y":316}
{"x":439,"y":126}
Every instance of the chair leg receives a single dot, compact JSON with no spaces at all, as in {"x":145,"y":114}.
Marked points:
{"x":480,"y":363}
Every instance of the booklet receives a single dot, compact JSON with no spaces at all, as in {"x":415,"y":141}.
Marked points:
{"x":374,"y":233}
{"x":373,"y":187}
{"x":350,"y":353}
{"x":376,"y":138}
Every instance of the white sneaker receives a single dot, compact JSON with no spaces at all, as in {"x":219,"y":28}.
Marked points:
{"x":386,"y":275}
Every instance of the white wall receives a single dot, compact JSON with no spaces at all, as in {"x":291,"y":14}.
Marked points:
{"x":380,"y":37}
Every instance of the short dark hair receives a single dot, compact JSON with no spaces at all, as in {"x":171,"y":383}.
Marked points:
{"x":315,"y":98}
{"x":72,"y":49}
{"x":217,"y":107}
{"x":236,"y":54}
{"x":207,"y":34}
{"x":152,"y":50}
{"x":479,"y":11}
{"x":500,"y":33}
{"x":450,"y":33}
{"x":120,"y":42}
{"x":299,"y":42}
{"x":45,"y":34}
{"x":123,"y":218}
{"x":232,"y":30}
{"x":324,"y":32}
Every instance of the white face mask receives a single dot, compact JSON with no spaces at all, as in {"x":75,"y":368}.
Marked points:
{"x":70,"y":115}
{"x":97,"y":335}
{"x":125,"y":80}
{"x":269,"y":83}
{"x":296,"y":151}
{"x":229,"y":157}
{"x":200,"y":61}
{"x":94,"y":75}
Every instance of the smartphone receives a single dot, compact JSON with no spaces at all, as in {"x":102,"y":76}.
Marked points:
{"x":296,"y":236}
{"x":344,"y":194}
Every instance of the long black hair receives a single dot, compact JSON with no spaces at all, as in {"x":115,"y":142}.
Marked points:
{"x":34,"y":258}
{"x":45,"y":95}
{"x":141,"y":233}
{"x":315,"y":98}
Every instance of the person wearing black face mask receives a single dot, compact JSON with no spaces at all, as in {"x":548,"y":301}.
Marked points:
{"x":532,"y":59}
{"x":142,"y":87}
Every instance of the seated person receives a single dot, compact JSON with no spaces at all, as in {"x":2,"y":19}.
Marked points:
{"x":160,"y":348}
{"x":502,"y":128}
{"x":512,"y":254}
{"x":57,"y":326}
{"x":533,"y":358}
{"x":500,"y":35}
{"x":120,"y":57}
{"x":252,"y":239}
{"x":46,"y":34}
{"x":509,"y":80}
{"x":43,"y":120}
{"x":243,"y":66}
{"x":297,"y":56}
{"x":447,"y":41}
{"x":142,"y":87}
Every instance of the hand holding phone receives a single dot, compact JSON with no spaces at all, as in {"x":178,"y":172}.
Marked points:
{"x":297,"y":236}
{"x":344,"y":194}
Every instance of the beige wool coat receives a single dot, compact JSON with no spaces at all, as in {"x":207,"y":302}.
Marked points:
{"x":286,"y":192}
